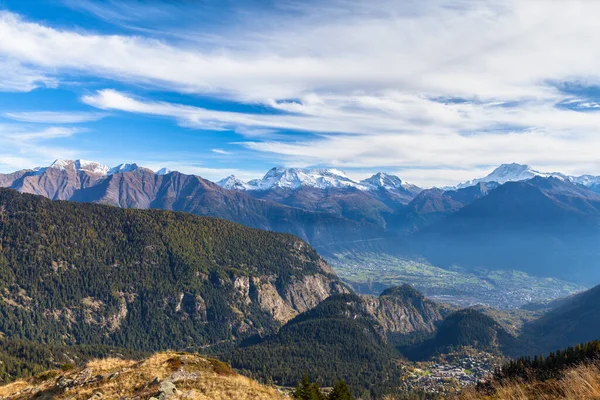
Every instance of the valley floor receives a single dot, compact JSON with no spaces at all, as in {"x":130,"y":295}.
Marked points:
{"x":502,"y":289}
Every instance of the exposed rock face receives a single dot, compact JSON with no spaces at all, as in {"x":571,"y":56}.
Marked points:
{"x":53,"y":183}
{"x":403,"y":310}
{"x":285,"y":302}
{"x":305,"y":294}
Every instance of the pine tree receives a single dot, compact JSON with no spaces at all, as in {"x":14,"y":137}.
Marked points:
{"x":340,"y":391}
{"x":307,"y":390}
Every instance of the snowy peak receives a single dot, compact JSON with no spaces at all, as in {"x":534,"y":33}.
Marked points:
{"x":294,"y":178}
{"x":516,"y":172}
{"x":163,"y":171}
{"x":91,"y":167}
{"x":585,"y":180}
{"x":232,"y":183}
{"x":383,"y":180}
{"x":123,"y":168}
{"x":509,"y":173}
{"x":519,"y":172}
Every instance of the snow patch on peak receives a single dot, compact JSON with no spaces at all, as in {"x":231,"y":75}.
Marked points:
{"x":519,"y":172}
{"x":391,"y":183}
{"x":585,"y":180}
{"x":122,"y":168}
{"x":319,"y":178}
{"x":163,"y":171}
{"x":232,"y":183}
{"x":383,"y":180}
{"x":294,"y":178}
{"x":91,"y":167}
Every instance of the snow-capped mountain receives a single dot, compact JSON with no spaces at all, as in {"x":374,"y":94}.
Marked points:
{"x":91,"y":167}
{"x":519,"y":172}
{"x":586,"y":180}
{"x":386,"y":181}
{"x":164,"y":171}
{"x":94,"y":168}
{"x":122,"y":168}
{"x":294,"y":178}
{"x":233,"y":183}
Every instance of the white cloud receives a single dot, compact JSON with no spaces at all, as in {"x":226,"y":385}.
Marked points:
{"x":53,"y":117}
{"x":366,"y":78}
{"x":19,"y":78}
{"x":410,"y":132}
{"x":221,"y":151}
{"x":44,"y":134}
{"x":25,"y":146}
{"x":488,"y":51}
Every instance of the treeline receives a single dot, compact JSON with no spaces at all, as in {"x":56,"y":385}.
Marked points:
{"x":307,"y":390}
{"x":22,"y":359}
{"x":332,"y":341}
{"x":540,"y":368}
{"x":463,"y":328}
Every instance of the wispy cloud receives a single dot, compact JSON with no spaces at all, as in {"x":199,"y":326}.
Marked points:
{"x":221,"y":151}
{"x":413,"y":86}
{"x":17,"y":77}
{"x":53,"y":117}
{"x":25,"y":146}
{"x":44,"y":134}
{"x":397,"y":130}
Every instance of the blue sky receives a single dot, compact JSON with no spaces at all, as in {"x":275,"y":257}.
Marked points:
{"x":435,"y":91}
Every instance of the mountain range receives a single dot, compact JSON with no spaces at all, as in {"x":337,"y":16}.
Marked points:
{"x":515,"y":218}
{"x":543,"y":226}
{"x":517,"y":172}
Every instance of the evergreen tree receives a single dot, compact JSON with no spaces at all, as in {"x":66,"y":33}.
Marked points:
{"x":340,"y":391}
{"x":306,"y":390}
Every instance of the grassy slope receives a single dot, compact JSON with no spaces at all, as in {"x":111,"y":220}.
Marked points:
{"x":581,"y":382}
{"x":189,"y":375}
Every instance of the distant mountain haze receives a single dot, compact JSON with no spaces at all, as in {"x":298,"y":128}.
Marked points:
{"x":545,"y":224}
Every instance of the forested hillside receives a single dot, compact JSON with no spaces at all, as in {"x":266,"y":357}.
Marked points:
{"x":141,"y":188}
{"x":345,"y":337}
{"x":83,"y":273}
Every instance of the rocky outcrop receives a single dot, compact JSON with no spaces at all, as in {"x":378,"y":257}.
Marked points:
{"x":403,"y":310}
{"x":284,"y":301}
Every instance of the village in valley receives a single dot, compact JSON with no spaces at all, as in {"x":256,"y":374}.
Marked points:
{"x":451,"y":372}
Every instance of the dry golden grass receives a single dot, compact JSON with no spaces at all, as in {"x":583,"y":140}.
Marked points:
{"x":194,"y":376}
{"x":582,"y":382}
